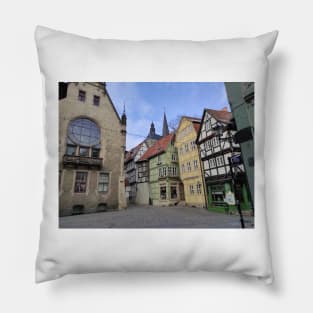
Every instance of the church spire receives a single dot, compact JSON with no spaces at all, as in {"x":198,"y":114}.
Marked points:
{"x":152,"y":130}
{"x":124,"y":118}
{"x":165,"y":130}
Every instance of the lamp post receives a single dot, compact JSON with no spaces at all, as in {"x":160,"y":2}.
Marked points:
{"x":232,"y":160}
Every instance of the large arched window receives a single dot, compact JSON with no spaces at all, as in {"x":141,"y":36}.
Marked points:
{"x":83,"y":138}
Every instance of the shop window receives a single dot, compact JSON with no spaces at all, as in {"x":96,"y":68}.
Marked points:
{"x":163,"y":192}
{"x":173,"y":192}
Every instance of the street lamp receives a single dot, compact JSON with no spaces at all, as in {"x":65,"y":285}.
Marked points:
{"x":234,"y":160}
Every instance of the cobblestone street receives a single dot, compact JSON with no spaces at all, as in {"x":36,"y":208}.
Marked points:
{"x":155,"y":217}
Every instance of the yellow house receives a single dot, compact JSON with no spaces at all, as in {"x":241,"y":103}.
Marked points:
{"x":189,"y":162}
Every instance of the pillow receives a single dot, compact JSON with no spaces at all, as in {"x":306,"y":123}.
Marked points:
{"x":155,"y":155}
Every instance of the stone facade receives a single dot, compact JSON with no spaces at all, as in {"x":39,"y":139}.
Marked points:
{"x":189,"y":161}
{"x":91,"y":150}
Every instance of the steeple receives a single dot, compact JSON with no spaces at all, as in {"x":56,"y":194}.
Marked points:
{"x":124,"y":118}
{"x":152,"y":130}
{"x":165,"y":130}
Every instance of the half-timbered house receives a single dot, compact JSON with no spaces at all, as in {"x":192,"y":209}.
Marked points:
{"x":131,"y":169}
{"x":217,"y":149}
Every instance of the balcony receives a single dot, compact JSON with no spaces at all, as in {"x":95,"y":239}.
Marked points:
{"x":76,"y":160}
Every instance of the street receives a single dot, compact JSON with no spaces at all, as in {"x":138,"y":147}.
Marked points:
{"x":155,"y":217}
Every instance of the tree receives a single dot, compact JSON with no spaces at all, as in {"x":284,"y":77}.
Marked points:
{"x":174,"y":123}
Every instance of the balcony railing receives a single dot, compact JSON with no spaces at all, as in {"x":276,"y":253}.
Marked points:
{"x":77,"y":160}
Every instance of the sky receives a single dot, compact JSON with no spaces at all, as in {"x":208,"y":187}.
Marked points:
{"x":146,"y":102}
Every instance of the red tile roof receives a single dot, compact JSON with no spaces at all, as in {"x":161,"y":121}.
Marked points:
{"x":158,"y":148}
{"x":196,"y":126}
{"x":131,"y":153}
{"x":221,"y":115}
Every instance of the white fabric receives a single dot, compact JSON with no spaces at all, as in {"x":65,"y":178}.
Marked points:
{"x":67,"y":57}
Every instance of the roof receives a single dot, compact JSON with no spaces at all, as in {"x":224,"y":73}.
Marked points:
{"x":158,"y":148}
{"x":222,"y":116}
{"x":196,"y":122}
{"x":192,"y":118}
{"x":132,"y":153}
{"x":155,"y":136}
{"x":196,"y":126}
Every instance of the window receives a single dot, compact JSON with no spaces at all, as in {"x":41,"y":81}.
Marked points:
{"x":70,"y":150}
{"x":220,"y":160}
{"x":186,"y":147}
{"x":80,"y":182}
{"x":81,"y":95}
{"x":191,"y":189}
{"x":159,"y":159}
{"x":193,"y":145}
{"x":83,"y":151}
{"x":95,"y":153}
{"x":96,"y":100}
{"x":189,"y":166}
{"x":103,"y":185}
{"x":170,"y":171}
{"x":85,"y":132}
{"x":164,"y":171}
{"x":163,"y":192}
{"x":183,"y":168}
{"x":174,"y":157}
{"x":174,"y":171}
{"x":173,"y":192}
{"x":195,"y":163}
{"x":198,"y":188}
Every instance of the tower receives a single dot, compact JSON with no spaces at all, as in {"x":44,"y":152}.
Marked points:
{"x":152,"y":131}
{"x":165,"y":130}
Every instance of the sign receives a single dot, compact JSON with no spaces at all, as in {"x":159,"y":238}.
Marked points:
{"x":236,"y":159}
{"x":230,"y":198}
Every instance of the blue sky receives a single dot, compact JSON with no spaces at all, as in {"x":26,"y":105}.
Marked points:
{"x":146,"y":102}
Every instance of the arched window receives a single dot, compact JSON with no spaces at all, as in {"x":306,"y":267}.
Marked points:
{"x":83,"y":138}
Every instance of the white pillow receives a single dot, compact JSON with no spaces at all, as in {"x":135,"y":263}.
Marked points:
{"x":69,"y":58}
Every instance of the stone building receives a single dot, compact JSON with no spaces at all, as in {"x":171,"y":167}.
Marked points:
{"x":189,"y":161}
{"x":217,"y":149}
{"x":91,"y":150}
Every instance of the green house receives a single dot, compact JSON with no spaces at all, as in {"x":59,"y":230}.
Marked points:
{"x":165,"y":187}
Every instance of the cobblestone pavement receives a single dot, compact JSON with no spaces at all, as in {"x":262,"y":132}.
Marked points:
{"x":155,"y":217}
